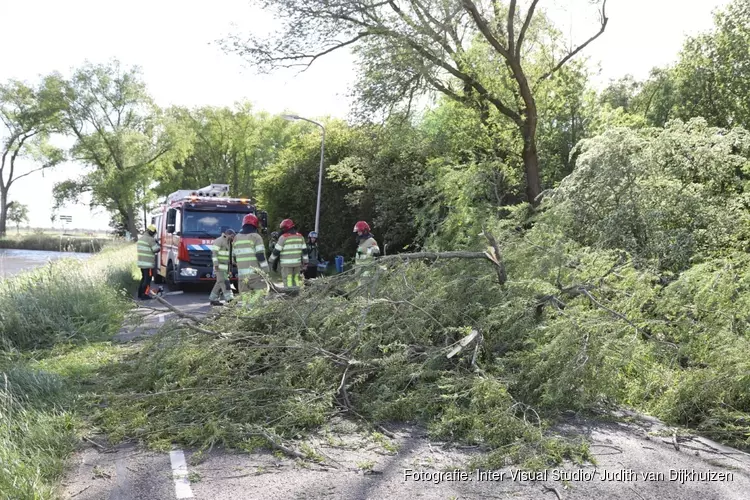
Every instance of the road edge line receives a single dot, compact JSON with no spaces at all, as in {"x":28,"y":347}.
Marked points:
{"x":180,"y":474}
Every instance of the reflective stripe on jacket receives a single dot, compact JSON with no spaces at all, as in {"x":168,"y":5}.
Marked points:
{"x":249,"y":253}
{"x":220,"y":251}
{"x":146,"y":248}
{"x":291,"y":249}
{"x":367,"y":249}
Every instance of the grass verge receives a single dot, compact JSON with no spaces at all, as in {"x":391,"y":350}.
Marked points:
{"x":54,"y":243}
{"x":49,"y":317}
{"x":66,"y":301}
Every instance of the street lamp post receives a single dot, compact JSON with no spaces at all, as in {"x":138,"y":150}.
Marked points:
{"x":320,"y":173}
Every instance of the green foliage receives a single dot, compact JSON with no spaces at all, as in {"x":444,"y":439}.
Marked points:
{"x":282,"y":371}
{"x":29,"y":116}
{"x":712,"y":73}
{"x":18,"y":213}
{"x":567,"y":114}
{"x":288,"y":188}
{"x":226,"y":146}
{"x":122,"y":135}
{"x":672,"y":195}
{"x":708,"y":80}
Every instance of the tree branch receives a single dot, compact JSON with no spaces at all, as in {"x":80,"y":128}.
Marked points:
{"x":603,"y":19}
{"x":525,"y":27}
{"x":434,"y":256}
{"x":21,"y":141}
{"x":10,"y":181}
{"x":511,"y":19}
{"x":334,"y":48}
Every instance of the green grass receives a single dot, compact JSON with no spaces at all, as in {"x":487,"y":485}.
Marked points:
{"x":36,"y":435}
{"x":54,"y":242}
{"x":55,"y":322}
{"x":67,"y":300}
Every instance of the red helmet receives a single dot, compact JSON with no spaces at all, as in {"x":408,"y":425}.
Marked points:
{"x":361,"y":226}
{"x":286,"y":224}
{"x":250,"y":219}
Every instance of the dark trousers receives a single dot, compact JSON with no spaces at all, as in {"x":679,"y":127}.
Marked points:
{"x":145,"y":286}
{"x":311,"y":272}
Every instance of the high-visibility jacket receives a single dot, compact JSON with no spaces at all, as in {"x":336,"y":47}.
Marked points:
{"x":249,"y":253}
{"x":147,"y":249}
{"x":366,"y":250}
{"x":291,"y":250}
{"x":220,"y":249}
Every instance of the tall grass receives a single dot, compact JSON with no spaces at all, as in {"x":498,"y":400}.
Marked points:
{"x":67,"y":300}
{"x":54,"y":243}
{"x":36,"y":436}
{"x":65,"y":303}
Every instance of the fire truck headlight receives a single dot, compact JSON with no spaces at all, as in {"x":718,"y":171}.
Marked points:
{"x":188,"y":271}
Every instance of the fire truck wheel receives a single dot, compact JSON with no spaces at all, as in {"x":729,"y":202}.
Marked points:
{"x":173,"y":286}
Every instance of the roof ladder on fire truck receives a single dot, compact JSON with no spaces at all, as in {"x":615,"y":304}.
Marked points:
{"x":212,"y":191}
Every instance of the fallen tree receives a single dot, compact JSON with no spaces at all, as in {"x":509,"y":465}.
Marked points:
{"x":433,"y":337}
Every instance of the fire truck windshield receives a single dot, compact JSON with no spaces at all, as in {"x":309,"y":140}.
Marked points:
{"x":203,"y":224}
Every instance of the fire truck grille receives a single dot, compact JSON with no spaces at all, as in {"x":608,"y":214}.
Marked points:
{"x":200,"y":258}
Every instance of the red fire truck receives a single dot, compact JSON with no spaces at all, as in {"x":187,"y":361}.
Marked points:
{"x":188,"y":223}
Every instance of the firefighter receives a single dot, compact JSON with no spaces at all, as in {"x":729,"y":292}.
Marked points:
{"x":313,"y":254}
{"x":249,"y":253}
{"x":367,"y":247}
{"x":271,"y":246}
{"x":291,"y":253}
{"x":220,"y":250}
{"x":147,"y":249}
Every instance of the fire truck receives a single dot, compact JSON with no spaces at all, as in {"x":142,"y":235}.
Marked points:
{"x":186,"y":226}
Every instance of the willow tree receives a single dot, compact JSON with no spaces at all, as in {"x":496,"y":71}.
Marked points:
{"x":121,"y":137}
{"x":475,"y":52}
{"x":29,"y":115}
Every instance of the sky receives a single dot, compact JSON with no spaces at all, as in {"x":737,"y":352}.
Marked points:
{"x":174,"y":43}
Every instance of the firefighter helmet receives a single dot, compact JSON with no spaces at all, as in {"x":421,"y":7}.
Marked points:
{"x":151,"y":228}
{"x":361,"y":226}
{"x":250,"y":219}
{"x":286,"y":224}
{"x":312,"y":234}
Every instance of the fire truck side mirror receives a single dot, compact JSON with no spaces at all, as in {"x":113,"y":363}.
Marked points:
{"x":171,"y":220}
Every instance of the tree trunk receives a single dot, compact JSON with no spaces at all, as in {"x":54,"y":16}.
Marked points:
{"x":130,"y":223}
{"x":3,"y":212}
{"x":531,"y":161}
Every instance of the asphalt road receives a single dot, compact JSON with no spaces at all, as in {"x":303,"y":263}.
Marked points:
{"x":634,"y":461}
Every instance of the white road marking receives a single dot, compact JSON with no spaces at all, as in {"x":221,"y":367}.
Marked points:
{"x":180,"y":474}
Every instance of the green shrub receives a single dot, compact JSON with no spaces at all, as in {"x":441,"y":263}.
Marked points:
{"x":674,"y":195}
